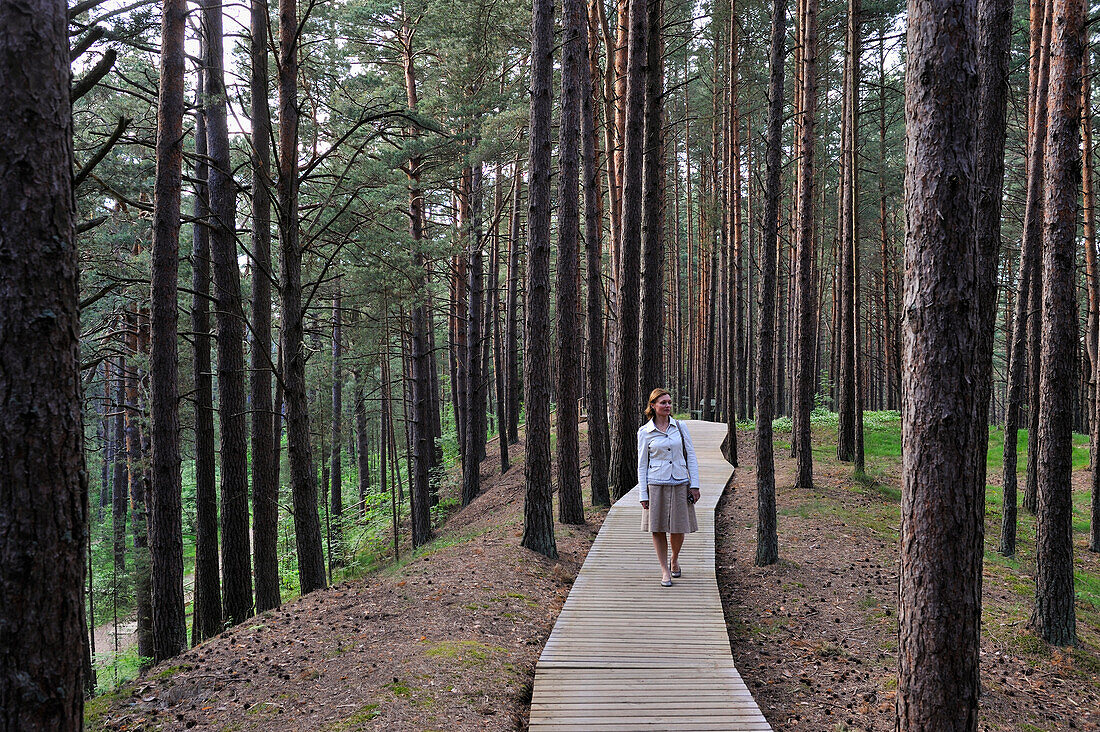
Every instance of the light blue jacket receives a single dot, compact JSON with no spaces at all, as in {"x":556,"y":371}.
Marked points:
{"x":661,"y":457}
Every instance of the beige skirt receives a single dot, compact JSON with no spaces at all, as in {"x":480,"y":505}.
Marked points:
{"x":669,"y":510}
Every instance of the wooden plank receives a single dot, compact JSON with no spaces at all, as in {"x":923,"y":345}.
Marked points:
{"x":628,"y":654}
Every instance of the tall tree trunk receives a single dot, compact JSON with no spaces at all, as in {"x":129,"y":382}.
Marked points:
{"x":1034,"y":363}
{"x":303,"y":480}
{"x":207,"y":615}
{"x":650,"y":369}
{"x":855,"y":12}
{"x":1027,"y":274}
{"x":767,"y":542}
{"x":336,"y":473}
{"x":845,"y":282}
{"x":498,"y":346}
{"x":165,"y":499}
{"x":106,"y":446}
{"x":475,"y":389}
{"x":362,"y":440}
{"x":136,"y":451}
{"x":735,"y":330}
{"x":994,"y":44}
{"x":512,"y":326}
{"x":425,"y":420}
{"x":941,"y":525}
{"x":611,"y":140}
{"x":232,"y":407}
{"x":460,"y":303}
{"x":1055,"y":616}
{"x":890,"y":364}
{"x":1034,"y":206}
{"x":596,"y":375}
{"x":265,"y":484}
{"x":434,"y":399}
{"x":43,"y":484}
{"x":806,"y":378}
{"x":538,"y":512}
{"x":1093,"y":268}
{"x":570,"y":346}
{"x":625,"y":423}
{"x":121,"y":479}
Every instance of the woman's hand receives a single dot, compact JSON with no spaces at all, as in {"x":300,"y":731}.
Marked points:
{"x":696,"y":494}
{"x":645,"y":505}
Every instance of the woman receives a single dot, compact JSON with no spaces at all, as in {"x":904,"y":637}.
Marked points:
{"x":668,"y":480}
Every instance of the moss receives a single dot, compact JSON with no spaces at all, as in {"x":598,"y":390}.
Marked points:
{"x":469,"y":652}
{"x":400,"y":689}
{"x":96,"y":708}
{"x":1030,"y":644}
{"x":171,"y":671}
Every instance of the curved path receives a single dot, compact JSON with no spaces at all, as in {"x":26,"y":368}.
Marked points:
{"x":628,"y":654}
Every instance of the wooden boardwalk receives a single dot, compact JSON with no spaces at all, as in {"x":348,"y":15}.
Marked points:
{"x":628,"y":654}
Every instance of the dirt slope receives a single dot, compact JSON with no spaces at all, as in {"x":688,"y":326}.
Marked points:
{"x":447,"y":641}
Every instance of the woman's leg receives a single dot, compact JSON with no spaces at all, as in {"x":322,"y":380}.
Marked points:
{"x":677,"y":541}
{"x":661,"y":545}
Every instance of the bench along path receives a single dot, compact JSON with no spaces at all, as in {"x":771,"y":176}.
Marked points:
{"x":628,"y":654}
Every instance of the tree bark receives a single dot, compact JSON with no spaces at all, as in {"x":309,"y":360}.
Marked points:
{"x":424,"y":420}
{"x":848,"y":245}
{"x":475,"y":379}
{"x":136,"y":451}
{"x":43,"y":484}
{"x":650,"y":367}
{"x":1093,"y":268}
{"x":498,"y":346}
{"x":941,"y":525}
{"x":767,"y":541}
{"x":596,"y":375}
{"x":735,"y":323}
{"x":121,"y":479}
{"x":232,"y":406}
{"x":362,"y":440}
{"x":538,"y":515}
{"x":165,"y":499}
{"x":1027,"y":274}
{"x":805,"y":374}
{"x":570,"y":346}
{"x":1055,"y":615}
{"x":994,"y":43}
{"x":336,"y":473}
{"x":207,"y":615}
{"x":265,"y":484}
{"x":625,"y":421}
{"x":1041,"y":14}
{"x":512,"y":326}
{"x":303,"y":481}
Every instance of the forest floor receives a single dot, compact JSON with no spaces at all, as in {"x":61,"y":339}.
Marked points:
{"x":816,"y":635}
{"x":447,"y":639}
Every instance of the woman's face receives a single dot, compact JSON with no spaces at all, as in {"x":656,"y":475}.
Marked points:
{"x":663,"y":406}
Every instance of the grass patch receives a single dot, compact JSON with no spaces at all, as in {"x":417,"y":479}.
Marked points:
{"x":399,"y":689}
{"x":356,"y":719}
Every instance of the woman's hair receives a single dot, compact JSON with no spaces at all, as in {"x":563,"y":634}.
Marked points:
{"x":655,"y":395}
